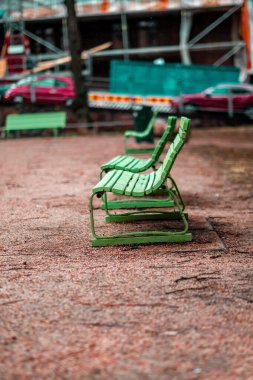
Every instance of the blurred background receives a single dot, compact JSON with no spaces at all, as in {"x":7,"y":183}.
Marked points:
{"x":102,"y":60}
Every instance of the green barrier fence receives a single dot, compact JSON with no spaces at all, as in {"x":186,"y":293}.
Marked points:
{"x":146,"y":78}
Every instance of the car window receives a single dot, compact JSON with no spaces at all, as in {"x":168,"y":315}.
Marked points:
{"x":219,"y":91}
{"x":60,"y":83}
{"x":24,"y":82}
{"x":240,"y":91}
{"x":45,"y":82}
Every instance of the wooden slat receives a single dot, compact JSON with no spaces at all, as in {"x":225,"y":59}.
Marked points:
{"x":100,"y":185}
{"x":141,"y":165}
{"x":156,"y":183}
{"x":121,"y":184}
{"x":130,"y":186}
{"x":150,"y":181}
{"x":140,"y":186}
{"x":122,"y":163}
{"x":131,"y":165}
{"x":112,"y":181}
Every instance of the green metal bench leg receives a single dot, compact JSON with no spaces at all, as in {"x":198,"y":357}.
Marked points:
{"x":177,"y":191}
{"x":56,"y":132}
{"x":139,"y":237}
{"x":145,"y":214}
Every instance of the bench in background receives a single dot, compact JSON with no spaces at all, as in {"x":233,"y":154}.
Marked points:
{"x":35,"y":121}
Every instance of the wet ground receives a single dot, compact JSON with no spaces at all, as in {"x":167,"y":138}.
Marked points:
{"x":165,"y":311}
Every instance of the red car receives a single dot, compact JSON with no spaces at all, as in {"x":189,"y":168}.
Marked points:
{"x":221,"y":98}
{"x":42,"y":89}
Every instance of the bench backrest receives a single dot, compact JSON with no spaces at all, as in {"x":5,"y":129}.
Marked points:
{"x":40,"y":120}
{"x":164,"y":139}
{"x":164,"y":170}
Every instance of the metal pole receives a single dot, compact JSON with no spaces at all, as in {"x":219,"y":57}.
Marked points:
{"x":43,"y":42}
{"x":229,"y":54}
{"x":230,"y":104}
{"x":65,"y":39}
{"x":213,"y":25}
{"x":124,"y":29}
{"x":167,"y":49}
{"x":185,"y":29}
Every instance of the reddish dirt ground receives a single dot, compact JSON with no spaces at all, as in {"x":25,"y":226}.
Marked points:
{"x":165,"y":311}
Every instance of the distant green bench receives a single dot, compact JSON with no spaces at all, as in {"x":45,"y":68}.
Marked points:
{"x":35,"y":121}
{"x":148,"y":131}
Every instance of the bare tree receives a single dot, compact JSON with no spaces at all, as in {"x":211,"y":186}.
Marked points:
{"x":80,"y":102}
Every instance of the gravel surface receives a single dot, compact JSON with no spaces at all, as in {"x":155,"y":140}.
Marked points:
{"x":165,"y":311}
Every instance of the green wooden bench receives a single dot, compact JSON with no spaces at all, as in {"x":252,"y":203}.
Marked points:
{"x":135,"y":185}
{"x":35,"y":121}
{"x":139,"y":135}
{"x":136,"y":165}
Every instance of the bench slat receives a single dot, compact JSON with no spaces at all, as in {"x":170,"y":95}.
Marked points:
{"x":139,"y":188}
{"x":122,"y":163}
{"x":131,"y":184}
{"x":150,"y":181}
{"x":111,"y":182}
{"x":100,"y":185}
{"x":121,"y":184}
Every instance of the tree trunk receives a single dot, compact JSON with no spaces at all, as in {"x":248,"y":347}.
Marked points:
{"x":80,"y":102}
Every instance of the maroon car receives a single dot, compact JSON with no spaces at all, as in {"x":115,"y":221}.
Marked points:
{"x":42,"y":89}
{"x":222,"y":98}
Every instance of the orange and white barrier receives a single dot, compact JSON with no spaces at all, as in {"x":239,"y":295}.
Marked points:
{"x":128,"y":102}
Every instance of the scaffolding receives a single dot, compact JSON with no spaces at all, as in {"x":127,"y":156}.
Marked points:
{"x":19,"y":12}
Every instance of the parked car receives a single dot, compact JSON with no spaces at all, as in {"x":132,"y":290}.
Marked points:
{"x":42,"y":89}
{"x":221,"y":98}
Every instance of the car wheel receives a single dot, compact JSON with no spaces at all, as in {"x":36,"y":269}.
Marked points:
{"x":189,"y":108}
{"x":18,"y":99}
{"x":249,"y":112}
{"x":69,"y":102}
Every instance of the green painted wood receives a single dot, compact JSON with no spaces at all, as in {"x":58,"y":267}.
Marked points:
{"x":113,"y":180}
{"x":140,"y":186}
{"x":102,"y":183}
{"x":139,"y":150}
{"x":176,"y":238}
{"x":131,"y":184}
{"x":146,"y":131}
{"x":133,"y":164}
{"x":172,"y":120}
{"x":151,"y":180}
{"x":173,"y":215}
{"x":122,"y":164}
{"x":121,"y":184}
{"x":46,"y":120}
{"x":138,"y":203}
{"x":144,"y":184}
{"x":136,"y":165}
{"x":142,"y":165}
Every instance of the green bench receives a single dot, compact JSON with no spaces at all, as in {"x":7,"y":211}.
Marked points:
{"x":143,"y":188}
{"x":139,"y":135}
{"x":136,"y":165}
{"x":35,"y":121}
